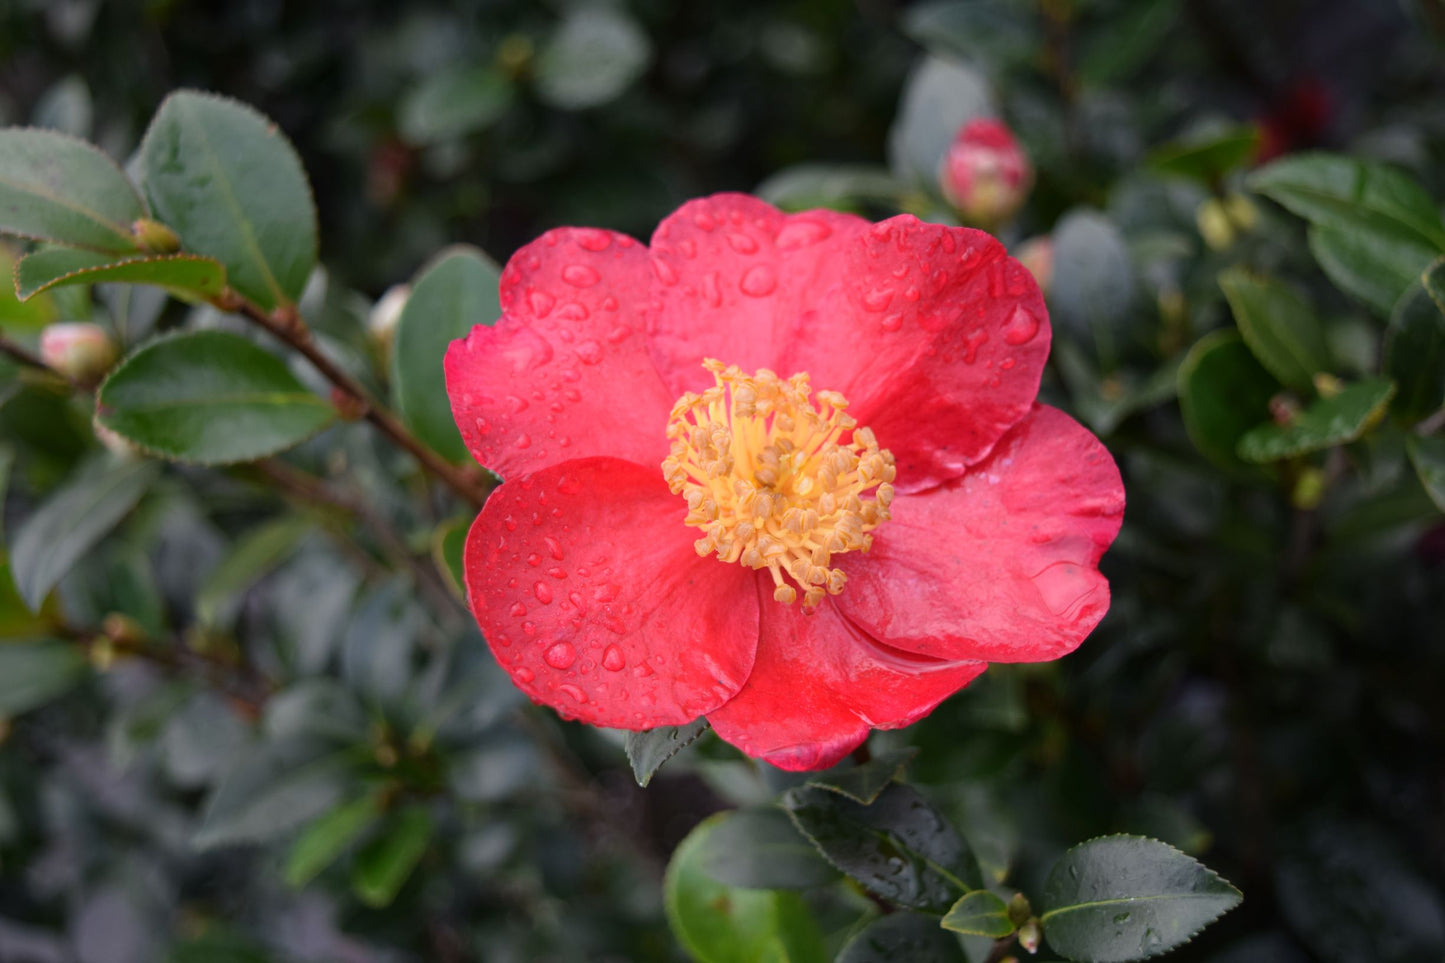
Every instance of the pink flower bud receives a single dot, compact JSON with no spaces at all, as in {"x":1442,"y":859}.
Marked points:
{"x":1037,"y":254}
{"x":78,"y":350}
{"x":985,"y":174}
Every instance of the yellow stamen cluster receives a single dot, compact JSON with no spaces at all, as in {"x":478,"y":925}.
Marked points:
{"x":770,"y":480}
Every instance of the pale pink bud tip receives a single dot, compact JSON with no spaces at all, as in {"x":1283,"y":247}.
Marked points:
{"x":77,"y":349}
{"x":985,"y":174}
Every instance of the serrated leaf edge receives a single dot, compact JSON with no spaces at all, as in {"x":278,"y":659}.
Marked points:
{"x":121,"y":262}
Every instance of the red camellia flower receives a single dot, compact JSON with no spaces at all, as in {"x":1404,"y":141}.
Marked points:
{"x":786,"y":472}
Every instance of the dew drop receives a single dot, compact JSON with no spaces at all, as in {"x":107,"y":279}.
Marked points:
{"x":704,"y":221}
{"x":687,"y":248}
{"x":591,"y":239}
{"x":580,"y":275}
{"x":554,"y":547}
{"x":877,"y":299}
{"x":1065,"y":588}
{"x":589,"y":352}
{"x":614,"y":625}
{"x":742,"y":243}
{"x":560,"y":656}
{"x":529,"y":629}
{"x":523,"y":442}
{"x":541,"y":303}
{"x":612,"y":659}
{"x":802,"y":232}
{"x":534,"y":560}
{"x":526,"y":351}
{"x":893,"y":322}
{"x":558,"y":573}
{"x":971,"y":346}
{"x":711,"y":290}
{"x":1022,"y":327}
{"x":571,"y":395}
{"x":606,"y":592}
{"x":524,"y":675}
{"x":911,"y":294}
{"x":518,"y":610}
{"x":572,"y":311}
{"x":642,"y":670}
{"x":619,"y":334}
{"x":578,"y":602}
{"x":543,"y":592}
{"x":759,"y":281}
{"x":572,"y":691}
{"x":609,"y":303}
{"x":483,"y":426}
{"x":664,"y":271}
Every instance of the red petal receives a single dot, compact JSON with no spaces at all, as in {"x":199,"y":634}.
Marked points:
{"x":938,"y":341}
{"x":1000,"y":564}
{"x":565,"y":373}
{"x":819,"y":684}
{"x":586,"y":585}
{"x":736,"y":278}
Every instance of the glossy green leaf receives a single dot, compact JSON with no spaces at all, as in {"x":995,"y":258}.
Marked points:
{"x":862,"y":784}
{"x":1415,"y":355}
{"x":34,"y":673}
{"x":1120,"y":898}
{"x":902,"y":936}
{"x":1208,"y":156}
{"x":717,"y":923}
{"x":979,"y":913}
{"x":227,"y":181}
{"x":1376,"y":268}
{"x":272,"y":790}
{"x":186,"y":274}
{"x":210,"y":397}
{"x":56,"y":188}
{"x":899,"y":847}
{"x":1353,"y":195}
{"x":595,"y":55}
{"x":449,"y":542}
{"x":31,"y":314}
{"x":648,"y":750}
{"x":454,"y":102}
{"x":72,"y":520}
{"x":455,"y":292}
{"x":1428,"y":457}
{"x":1137,"y":35}
{"x":941,"y":96}
{"x":1223,"y":393}
{"x":385,"y":863}
{"x":259,"y":551}
{"x":1279,"y":327}
{"x":807,"y":186}
{"x":1324,"y":424}
{"x":762,"y":849}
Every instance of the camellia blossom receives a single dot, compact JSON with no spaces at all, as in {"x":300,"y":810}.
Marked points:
{"x":783,"y":471}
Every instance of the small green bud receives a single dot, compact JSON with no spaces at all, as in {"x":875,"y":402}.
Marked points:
{"x":1030,"y":935}
{"x":154,"y":237}
{"x":1019,"y":909}
{"x":1214,"y":224}
{"x":78,"y":350}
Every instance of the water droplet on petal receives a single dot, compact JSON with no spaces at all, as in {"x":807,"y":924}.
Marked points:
{"x":704,"y":221}
{"x":573,"y":691}
{"x":971,"y":346}
{"x":534,"y":560}
{"x":589,"y":352}
{"x":877,"y":299}
{"x":580,"y":275}
{"x":893,"y":322}
{"x":711,"y":290}
{"x":619,"y":334}
{"x":557,"y":573}
{"x":687,"y":248}
{"x":518,"y":610}
{"x":523,"y":442}
{"x":560,"y":656}
{"x":543,"y":592}
{"x":742,"y":243}
{"x":664,"y":271}
{"x":524,"y":675}
{"x":554,"y":547}
{"x":759,"y":281}
{"x":526,"y":351}
{"x":529,"y":629}
{"x":612,"y":659}
{"x":572,"y":311}
{"x":592,"y":239}
{"x":801,"y":232}
{"x":1022,"y":327}
{"x":541,"y":302}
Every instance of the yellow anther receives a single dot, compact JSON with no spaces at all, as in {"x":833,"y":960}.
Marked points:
{"x":769,"y":478}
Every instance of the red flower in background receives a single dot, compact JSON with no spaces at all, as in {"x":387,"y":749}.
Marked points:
{"x":691,"y":524}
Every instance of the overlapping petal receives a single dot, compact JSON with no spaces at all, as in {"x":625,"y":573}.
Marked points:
{"x":820,"y":684}
{"x":587,"y":587}
{"x":736,"y":279}
{"x":566,"y":372}
{"x":938,"y":339}
{"x":1000,"y":565}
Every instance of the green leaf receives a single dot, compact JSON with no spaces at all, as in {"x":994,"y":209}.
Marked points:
{"x":452,"y":294}
{"x":1120,"y":898}
{"x":259,"y":551}
{"x":1352,"y":195}
{"x":388,"y":860}
{"x":862,"y":784}
{"x":648,"y":750}
{"x":73,"y":520}
{"x":806,"y":186}
{"x":1428,"y":457}
{"x":448,"y":543}
{"x":717,"y":923}
{"x":762,"y":849}
{"x":15,"y":314}
{"x":1209,"y":156}
{"x":979,"y":913}
{"x":1415,"y":352}
{"x":594,"y":56}
{"x":56,"y":188}
{"x":1376,"y":268}
{"x":185,"y":274}
{"x":227,"y":181}
{"x":1326,"y":423}
{"x":1136,"y":35}
{"x":902,"y":936}
{"x":209,"y":397}
{"x":1223,"y":393}
{"x":899,"y":847}
{"x":1279,"y":327}
{"x":271,"y":791}
{"x":452,"y":103}
{"x":34,"y":673}
{"x":941,"y":96}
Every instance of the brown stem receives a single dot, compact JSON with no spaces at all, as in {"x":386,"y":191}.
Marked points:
{"x":287,"y":325}
{"x":1000,"y":949}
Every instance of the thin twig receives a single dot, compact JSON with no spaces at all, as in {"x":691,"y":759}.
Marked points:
{"x":287,"y":325}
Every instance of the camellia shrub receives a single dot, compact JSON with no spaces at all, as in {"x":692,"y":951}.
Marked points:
{"x":714,"y":595}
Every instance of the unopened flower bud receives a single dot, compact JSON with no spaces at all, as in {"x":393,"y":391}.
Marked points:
{"x":1037,"y":254}
{"x":1019,"y":909}
{"x":1030,"y":935}
{"x":155,"y":237}
{"x":985,"y":174}
{"x":386,"y":314}
{"x":1214,"y":224}
{"x":78,"y":349}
